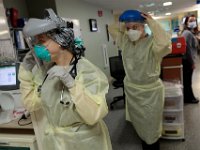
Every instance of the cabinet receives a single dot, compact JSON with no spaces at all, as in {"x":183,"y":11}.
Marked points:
{"x":7,"y":53}
{"x":15,"y":26}
{"x":172,"y":69}
{"x":173,"y":115}
{"x":18,"y":142}
{"x":15,"y":137}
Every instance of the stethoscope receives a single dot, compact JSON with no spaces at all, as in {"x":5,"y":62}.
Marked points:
{"x":65,"y":104}
{"x":62,"y":91}
{"x":61,"y":95}
{"x":72,"y":72}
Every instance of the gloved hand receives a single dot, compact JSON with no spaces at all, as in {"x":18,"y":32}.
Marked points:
{"x":29,"y":61}
{"x":63,"y":74}
{"x":122,"y":27}
{"x":146,"y":15}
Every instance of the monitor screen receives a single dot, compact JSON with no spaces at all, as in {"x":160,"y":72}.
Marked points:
{"x":9,"y":77}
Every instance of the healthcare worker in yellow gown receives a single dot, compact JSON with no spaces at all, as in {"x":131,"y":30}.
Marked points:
{"x":142,"y":55}
{"x":71,"y":93}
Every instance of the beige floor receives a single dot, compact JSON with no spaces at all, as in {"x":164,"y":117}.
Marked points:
{"x":124,"y":137}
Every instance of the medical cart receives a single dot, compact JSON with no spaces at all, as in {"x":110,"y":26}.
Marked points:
{"x":173,"y":115}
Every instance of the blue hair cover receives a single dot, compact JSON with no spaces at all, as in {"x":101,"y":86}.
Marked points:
{"x":131,"y":16}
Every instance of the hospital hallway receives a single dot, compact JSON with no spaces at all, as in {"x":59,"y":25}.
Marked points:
{"x":123,"y":135}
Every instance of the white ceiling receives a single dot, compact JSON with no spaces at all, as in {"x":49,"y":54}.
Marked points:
{"x":146,"y":5}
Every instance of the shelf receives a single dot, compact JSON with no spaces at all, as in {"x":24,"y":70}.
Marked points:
{"x":174,"y":55}
{"x":18,"y":141}
{"x":173,"y":131}
{"x":173,"y":110}
{"x":14,"y":125}
{"x":6,"y":39}
{"x":173,"y":138}
{"x":11,"y":28}
{"x":22,"y":50}
{"x":28,"y":138}
{"x":173,"y":124}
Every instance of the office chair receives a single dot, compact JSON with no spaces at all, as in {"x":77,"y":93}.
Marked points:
{"x":117,"y":72}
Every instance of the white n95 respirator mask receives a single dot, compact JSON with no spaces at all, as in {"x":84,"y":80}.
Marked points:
{"x":134,"y":35}
{"x":192,"y":25}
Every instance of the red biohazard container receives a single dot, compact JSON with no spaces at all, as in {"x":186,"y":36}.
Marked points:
{"x":14,"y":16}
{"x":178,"y":45}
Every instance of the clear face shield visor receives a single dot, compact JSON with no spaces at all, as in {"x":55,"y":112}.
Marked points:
{"x":34,"y":28}
{"x":31,"y":41}
{"x":123,"y":27}
{"x":42,"y":65}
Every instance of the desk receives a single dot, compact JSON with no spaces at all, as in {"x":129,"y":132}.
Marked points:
{"x":14,"y":125}
{"x":18,"y":141}
{"x":13,"y":136}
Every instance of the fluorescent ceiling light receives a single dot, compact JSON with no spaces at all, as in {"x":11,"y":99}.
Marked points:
{"x":167,"y":3}
{"x":168,"y":14}
{"x":150,"y":5}
{"x":151,"y":13}
{"x":141,"y":6}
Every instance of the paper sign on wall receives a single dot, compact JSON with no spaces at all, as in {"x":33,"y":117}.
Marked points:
{"x":105,"y":55}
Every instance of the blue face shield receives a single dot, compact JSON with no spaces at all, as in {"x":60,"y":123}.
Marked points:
{"x":42,"y":53}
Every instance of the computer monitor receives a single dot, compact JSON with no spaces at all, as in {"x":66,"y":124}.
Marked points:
{"x":9,"y":77}
{"x":116,"y":68}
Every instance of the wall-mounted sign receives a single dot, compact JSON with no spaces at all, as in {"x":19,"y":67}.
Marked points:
{"x":100,"y":13}
{"x":93,"y":25}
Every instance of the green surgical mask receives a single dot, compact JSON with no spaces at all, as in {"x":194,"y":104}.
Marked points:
{"x":42,"y":53}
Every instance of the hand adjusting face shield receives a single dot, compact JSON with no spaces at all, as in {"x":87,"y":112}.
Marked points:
{"x":55,"y":28}
{"x":131,"y":16}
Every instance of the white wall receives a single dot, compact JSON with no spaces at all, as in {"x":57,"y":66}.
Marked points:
{"x":36,"y":8}
{"x":83,"y":11}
